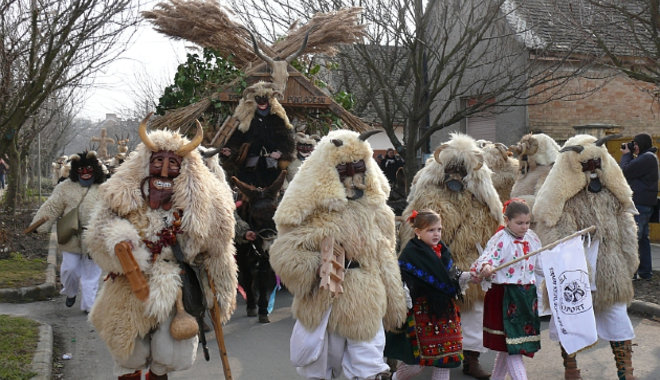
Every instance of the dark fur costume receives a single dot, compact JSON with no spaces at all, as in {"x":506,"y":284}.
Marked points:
{"x":86,"y":158}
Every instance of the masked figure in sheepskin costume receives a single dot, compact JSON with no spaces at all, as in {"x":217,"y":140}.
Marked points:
{"x":586,"y":187}
{"x":536,"y":154}
{"x":60,"y":169}
{"x":457,"y":185}
{"x":505,"y":168}
{"x":304,"y":146}
{"x":340,"y":193}
{"x":263,"y":145}
{"x":80,"y":191}
{"x":175,"y":215}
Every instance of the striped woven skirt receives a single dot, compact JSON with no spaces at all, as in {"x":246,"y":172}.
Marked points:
{"x":511,"y":321}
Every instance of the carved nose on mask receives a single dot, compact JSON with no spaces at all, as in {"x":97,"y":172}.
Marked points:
{"x":165,"y":168}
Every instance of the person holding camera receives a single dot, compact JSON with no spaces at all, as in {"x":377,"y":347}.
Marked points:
{"x":640,"y":167}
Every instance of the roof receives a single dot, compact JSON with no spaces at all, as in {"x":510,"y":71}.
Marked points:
{"x":562,"y":26}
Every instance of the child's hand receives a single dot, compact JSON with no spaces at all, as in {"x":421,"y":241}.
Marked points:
{"x":486,"y":271}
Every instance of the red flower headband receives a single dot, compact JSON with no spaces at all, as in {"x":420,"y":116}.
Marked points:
{"x":507,"y":203}
{"x":412,"y":216}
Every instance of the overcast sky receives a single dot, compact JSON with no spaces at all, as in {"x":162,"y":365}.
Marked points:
{"x":151,"y":54}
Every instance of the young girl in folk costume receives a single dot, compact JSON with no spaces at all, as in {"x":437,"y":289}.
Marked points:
{"x":434,"y":282}
{"x":511,"y":322}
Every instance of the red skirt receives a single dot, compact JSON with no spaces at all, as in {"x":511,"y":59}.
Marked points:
{"x":511,"y":322}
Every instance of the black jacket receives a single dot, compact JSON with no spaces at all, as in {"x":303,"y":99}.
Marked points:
{"x":642,"y":176}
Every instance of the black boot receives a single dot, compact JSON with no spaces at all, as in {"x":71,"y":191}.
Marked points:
{"x":70,"y":301}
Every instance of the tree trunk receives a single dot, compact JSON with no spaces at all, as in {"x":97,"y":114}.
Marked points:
{"x":13,"y":179}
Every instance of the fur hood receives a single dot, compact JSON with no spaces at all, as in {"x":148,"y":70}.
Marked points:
{"x":247,"y":106}
{"x":461,"y":150}
{"x":191,"y":188}
{"x":566,"y":179}
{"x":317,"y":185}
{"x":540,"y":148}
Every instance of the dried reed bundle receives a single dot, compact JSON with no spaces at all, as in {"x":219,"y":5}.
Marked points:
{"x":206,"y":24}
{"x":327,"y":31}
{"x":181,"y":118}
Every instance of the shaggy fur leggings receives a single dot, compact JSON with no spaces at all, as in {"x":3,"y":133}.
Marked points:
{"x":511,"y":364}
{"x":407,"y":371}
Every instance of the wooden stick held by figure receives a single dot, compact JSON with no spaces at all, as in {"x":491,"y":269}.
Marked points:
{"x":36,"y":225}
{"x":333,"y":257}
{"x":547,"y":247}
{"x":217,"y":327}
{"x":132,"y":270}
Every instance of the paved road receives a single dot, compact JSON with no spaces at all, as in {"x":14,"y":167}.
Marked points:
{"x":260,"y":351}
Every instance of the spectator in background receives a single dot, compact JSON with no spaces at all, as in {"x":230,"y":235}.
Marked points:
{"x":640,"y":167}
{"x":390,"y":164}
{"x":3,"y":172}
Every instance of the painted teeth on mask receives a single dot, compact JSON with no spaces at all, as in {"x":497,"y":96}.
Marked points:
{"x":162,"y":185}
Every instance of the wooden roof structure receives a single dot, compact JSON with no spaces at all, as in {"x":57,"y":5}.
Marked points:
{"x":206,"y":24}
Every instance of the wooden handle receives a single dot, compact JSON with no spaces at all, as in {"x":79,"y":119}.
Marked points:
{"x":217,"y":327}
{"x":35,"y":225}
{"x":132,"y":270}
{"x":547,"y":247}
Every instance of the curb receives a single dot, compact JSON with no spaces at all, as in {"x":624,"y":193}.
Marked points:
{"x":38,"y":292}
{"x":643,"y":307}
{"x":43,"y":356}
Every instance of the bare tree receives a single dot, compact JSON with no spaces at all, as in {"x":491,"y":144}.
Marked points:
{"x":429,"y":65}
{"x":49,"y":46}
{"x":624,"y":34}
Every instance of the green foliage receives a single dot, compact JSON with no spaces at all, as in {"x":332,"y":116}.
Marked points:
{"x":20,"y":337}
{"x":197,"y":78}
{"x":19,"y":271}
{"x":323,"y":121}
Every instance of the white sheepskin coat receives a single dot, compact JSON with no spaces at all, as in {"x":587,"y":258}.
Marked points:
{"x":65,"y":197}
{"x":564,"y":205}
{"x":540,"y":162}
{"x":504,"y":168}
{"x":314,"y":207}
{"x":206,"y":241}
{"x":469,"y":217}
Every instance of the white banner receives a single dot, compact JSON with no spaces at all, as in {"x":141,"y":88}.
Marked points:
{"x":569,"y":292}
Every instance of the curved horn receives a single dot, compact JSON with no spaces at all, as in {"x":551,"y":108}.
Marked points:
{"x":187,"y":148}
{"x":439,"y":149}
{"x":480,"y":163}
{"x":365,"y":135}
{"x":605,"y":139}
{"x":210,"y":153}
{"x":573,"y":148}
{"x":295,"y":55}
{"x":274,"y":187}
{"x":142,"y":131}
{"x":337,"y":142}
{"x":258,"y":52}
{"x":245,"y":188}
{"x":503,"y":151}
{"x":515,"y":149}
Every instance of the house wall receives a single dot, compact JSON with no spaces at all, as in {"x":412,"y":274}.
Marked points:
{"x":620,"y":101}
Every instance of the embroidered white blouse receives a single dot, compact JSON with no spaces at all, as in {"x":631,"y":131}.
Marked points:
{"x":504,"y":247}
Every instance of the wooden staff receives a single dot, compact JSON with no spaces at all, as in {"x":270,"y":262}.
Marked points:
{"x":546,"y":247}
{"x":217,"y":327}
{"x":35,"y":225}
{"x":134,"y":275}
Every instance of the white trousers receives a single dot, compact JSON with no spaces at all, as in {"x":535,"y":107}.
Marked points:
{"x":472,"y":323}
{"x":159,"y":352}
{"x":612,"y":325}
{"x":358,"y":359}
{"x":79,"y":272}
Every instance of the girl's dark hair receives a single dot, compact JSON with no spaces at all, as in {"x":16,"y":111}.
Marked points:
{"x":424,"y":218}
{"x":515,"y":207}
